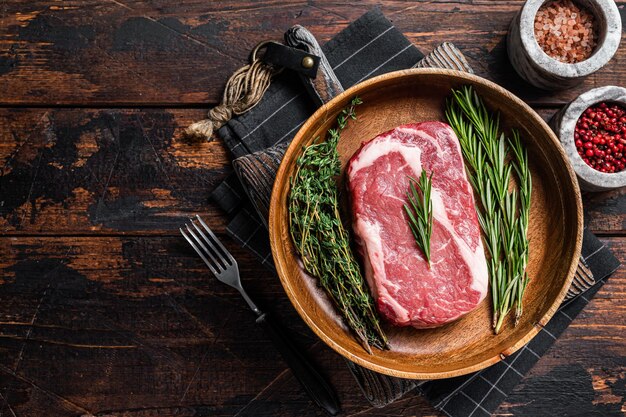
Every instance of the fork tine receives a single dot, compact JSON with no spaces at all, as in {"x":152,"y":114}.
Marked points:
{"x":198,"y":251}
{"x":216,"y":240}
{"x":214,"y":252}
{"x":218,"y":262}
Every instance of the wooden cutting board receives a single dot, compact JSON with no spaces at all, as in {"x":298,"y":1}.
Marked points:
{"x":555,"y":230}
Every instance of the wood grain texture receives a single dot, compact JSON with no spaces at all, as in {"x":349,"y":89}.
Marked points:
{"x":468,"y":344}
{"x":156,"y":335}
{"x":92,"y":322}
{"x":102,"y":171}
{"x":257,"y":172}
{"x":158,"y":52}
{"x":81,"y":171}
{"x":325,"y":85}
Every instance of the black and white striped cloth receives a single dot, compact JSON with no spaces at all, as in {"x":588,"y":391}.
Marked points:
{"x":480,"y":394}
{"x":371,"y":46}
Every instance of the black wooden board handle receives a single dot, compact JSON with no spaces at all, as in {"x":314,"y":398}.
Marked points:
{"x":326,"y":85}
{"x":257,"y":172}
{"x":313,"y":383}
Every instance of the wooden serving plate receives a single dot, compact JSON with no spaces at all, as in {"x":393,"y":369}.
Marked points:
{"x":555,"y":231}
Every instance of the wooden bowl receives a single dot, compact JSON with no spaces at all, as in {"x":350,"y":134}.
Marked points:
{"x":555,"y":230}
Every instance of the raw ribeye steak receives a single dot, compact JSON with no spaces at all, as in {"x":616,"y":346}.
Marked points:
{"x":409,"y":292}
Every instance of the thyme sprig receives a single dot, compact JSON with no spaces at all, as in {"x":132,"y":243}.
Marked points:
{"x":419,"y":211}
{"x":493,"y":160}
{"x":321,"y":239}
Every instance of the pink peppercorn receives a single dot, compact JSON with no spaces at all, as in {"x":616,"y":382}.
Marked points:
{"x":600,"y":141}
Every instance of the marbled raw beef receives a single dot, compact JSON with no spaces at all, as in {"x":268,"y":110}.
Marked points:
{"x":409,"y":292}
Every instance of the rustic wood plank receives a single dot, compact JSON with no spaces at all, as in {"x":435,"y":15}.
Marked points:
{"x":97,"y":171}
{"x":134,"y":52}
{"x":130,"y":323}
{"x":607,"y":211}
{"x":584,"y":373}
{"x":117,"y":316}
{"x":91,"y":171}
{"x":135,"y":326}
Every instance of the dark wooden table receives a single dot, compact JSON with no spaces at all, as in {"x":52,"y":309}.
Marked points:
{"x":104,"y":309}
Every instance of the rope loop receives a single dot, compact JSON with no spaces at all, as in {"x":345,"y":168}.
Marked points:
{"x":243,"y":91}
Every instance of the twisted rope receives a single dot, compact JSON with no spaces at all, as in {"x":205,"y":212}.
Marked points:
{"x":243,"y":91}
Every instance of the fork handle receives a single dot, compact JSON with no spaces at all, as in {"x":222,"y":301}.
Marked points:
{"x":313,"y":383}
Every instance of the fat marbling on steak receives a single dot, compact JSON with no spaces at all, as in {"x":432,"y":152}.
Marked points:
{"x":407,"y":291}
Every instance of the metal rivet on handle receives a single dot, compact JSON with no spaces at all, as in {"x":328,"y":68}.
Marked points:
{"x":307,"y":62}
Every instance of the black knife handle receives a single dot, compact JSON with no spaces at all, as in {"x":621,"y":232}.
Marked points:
{"x":313,"y":383}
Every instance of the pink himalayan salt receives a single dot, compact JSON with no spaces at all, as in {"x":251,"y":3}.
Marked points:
{"x":565,"y":31}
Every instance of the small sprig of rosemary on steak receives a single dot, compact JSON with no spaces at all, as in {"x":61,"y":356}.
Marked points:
{"x":322,"y":240}
{"x":419,"y":210}
{"x":493,"y":160}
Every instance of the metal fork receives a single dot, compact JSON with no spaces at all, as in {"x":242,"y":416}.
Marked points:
{"x":224,"y":267}
{"x":221,"y":263}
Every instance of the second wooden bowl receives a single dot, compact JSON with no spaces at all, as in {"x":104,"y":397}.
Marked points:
{"x":555,"y":230}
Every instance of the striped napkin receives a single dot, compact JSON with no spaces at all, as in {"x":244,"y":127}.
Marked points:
{"x":371,"y":46}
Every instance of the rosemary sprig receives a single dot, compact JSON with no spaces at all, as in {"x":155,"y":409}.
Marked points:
{"x":321,"y":239}
{"x":520,"y":164}
{"x":419,"y":210}
{"x":492,"y":161}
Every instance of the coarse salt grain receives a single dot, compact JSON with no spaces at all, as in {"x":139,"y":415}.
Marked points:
{"x":565,"y":31}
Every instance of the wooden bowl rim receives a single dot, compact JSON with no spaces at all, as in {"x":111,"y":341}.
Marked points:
{"x":275,"y":241}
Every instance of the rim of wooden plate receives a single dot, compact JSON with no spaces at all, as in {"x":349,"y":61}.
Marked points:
{"x":275,"y":235}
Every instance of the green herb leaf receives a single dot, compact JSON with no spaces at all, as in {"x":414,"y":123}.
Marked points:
{"x":321,"y":239}
{"x":419,"y":211}
{"x":492,"y":161}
